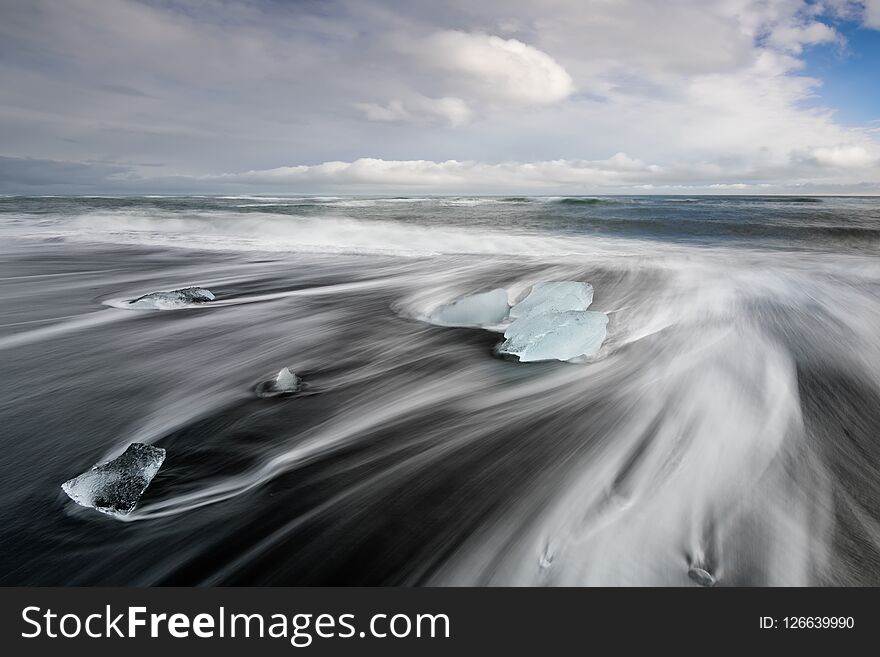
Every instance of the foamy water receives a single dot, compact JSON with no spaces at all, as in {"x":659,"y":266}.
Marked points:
{"x":729,"y":422}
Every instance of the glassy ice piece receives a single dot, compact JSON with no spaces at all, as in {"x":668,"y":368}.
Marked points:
{"x":570,"y":335}
{"x":701,"y":577}
{"x":284,"y":383}
{"x":482,"y":309}
{"x":116,"y":486}
{"x":554,"y":297}
{"x":173,"y":299}
{"x":285,"y":380}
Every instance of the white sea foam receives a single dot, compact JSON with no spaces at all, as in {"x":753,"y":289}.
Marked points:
{"x":265,"y":231}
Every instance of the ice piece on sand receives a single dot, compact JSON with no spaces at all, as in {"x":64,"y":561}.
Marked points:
{"x":285,"y":380}
{"x":554,"y":297}
{"x":482,"y":309}
{"x":116,"y":486}
{"x":173,"y":299}
{"x":701,"y":577}
{"x":284,"y":383}
{"x":570,"y":335}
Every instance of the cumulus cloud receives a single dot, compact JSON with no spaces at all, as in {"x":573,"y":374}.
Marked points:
{"x":618,"y":169}
{"x":843,"y":156}
{"x":500,"y":70}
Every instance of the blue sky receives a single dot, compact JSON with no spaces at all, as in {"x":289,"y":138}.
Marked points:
{"x":850,"y":74}
{"x":452,"y":96}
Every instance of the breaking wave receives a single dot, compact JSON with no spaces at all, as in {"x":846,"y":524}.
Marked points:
{"x":265,"y":231}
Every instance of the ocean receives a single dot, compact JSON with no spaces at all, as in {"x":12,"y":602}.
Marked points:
{"x":729,"y":426}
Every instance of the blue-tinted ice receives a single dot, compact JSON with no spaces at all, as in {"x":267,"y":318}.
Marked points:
{"x":572,"y":335}
{"x":554,"y":297}
{"x":476,"y":310}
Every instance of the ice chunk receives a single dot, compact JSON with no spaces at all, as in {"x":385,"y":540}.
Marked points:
{"x":554,"y":297}
{"x":570,"y":335}
{"x":701,"y":577}
{"x":173,"y":299}
{"x":482,"y":309}
{"x":116,"y":486}
{"x":284,"y":383}
{"x":285,"y":380}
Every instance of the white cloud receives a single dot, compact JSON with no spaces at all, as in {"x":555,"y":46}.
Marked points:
{"x":496,"y":69}
{"x":843,"y":156}
{"x":866,"y":12}
{"x":419,"y":109}
{"x":794,"y":37}
{"x":872,"y":14}
{"x":619,"y":169}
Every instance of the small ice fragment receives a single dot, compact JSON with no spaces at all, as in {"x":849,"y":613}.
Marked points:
{"x":116,"y":486}
{"x":546,"y":558}
{"x":701,"y":577}
{"x":173,"y":299}
{"x":479,"y":310}
{"x":284,"y":383}
{"x":571,"y":335}
{"x":285,"y":380}
{"x":554,"y":297}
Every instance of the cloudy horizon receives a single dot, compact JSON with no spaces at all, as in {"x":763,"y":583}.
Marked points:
{"x":372,"y":97}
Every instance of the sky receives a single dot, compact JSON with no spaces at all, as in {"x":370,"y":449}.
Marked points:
{"x":443,"y":97}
